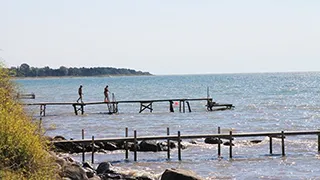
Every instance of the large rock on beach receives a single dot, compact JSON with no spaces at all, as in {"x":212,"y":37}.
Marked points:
{"x":104,"y":167}
{"x":149,"y":146}
{"x":68,"y":147}
{"x":74,"y":172}
{"x":179,"y":174}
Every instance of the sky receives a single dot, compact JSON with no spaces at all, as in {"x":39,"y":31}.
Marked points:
{"x":163,"y":37}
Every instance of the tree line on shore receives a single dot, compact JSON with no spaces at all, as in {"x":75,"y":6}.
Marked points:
{"x":24,"y":70}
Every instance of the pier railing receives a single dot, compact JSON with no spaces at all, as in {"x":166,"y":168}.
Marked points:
{"x":230,"y":137}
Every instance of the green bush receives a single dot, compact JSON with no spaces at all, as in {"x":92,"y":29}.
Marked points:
{"x":23,"y":151}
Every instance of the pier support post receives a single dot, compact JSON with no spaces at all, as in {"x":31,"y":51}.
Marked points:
{"x":282,"y":143}
{"x":230,"y":148}
{"x":92,"y":157}
{"x":80,"y":109}
{"x":143,"y":106}
{"x":318,"y":143}
{"x":270,"y":144}
{"x":83,"y":150}
{"x":171,"y":106}
{"x":209,"y":104}
{"x":188,"y":104}
{"x":135,"y":145}
{"x":179,"y":146}
{"x":75,"y":109}
{"x":183,"y":104}
{"x":219,"y":144}
{"x":168,"y":144}
{"x":42,"y":110}
{"x":126,"y":145}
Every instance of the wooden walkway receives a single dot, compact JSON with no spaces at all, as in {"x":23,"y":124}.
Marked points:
{"x":230,"y":136}
{"x":26,"y":96}
{"x":144,"y":104}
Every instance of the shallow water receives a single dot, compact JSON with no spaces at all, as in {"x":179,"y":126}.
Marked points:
{"x":263,"y":102}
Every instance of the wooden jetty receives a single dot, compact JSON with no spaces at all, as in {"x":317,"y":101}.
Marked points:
{"x":144,"y":104}
{"x":26,"y":96}
{"x":230,"y":136}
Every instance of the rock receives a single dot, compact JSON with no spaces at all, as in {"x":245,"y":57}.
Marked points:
{"x":131,"y":147}
{"x":59,"y":138}
{"x":73,"y":172}
{"x":76,"y":148}
{"x":256,"y":141}
{"x":164,"y":145}
{"x":149,"y":146}
{"x":228,"y":143}
{"x":62,"y":162}
{"x":103,"y":168}
{"x":180,"y":174}
{"x":172,"y":145}
{"x":213,"y":140}
{"x":99,"y":145}
{"x":193,"y":142}
{"x":110,"y":146}
{"x":89,"y":172}
{"x":108,"y":176}
{"x":95,"y":177}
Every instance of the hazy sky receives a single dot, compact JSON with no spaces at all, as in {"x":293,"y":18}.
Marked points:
{"x":164,"y":36}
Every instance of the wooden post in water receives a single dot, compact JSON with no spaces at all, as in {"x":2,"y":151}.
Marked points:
{"x":75,"y":109}
{"x":42,"y":110}
{"x":184,"y":106}
{"x":92,"y":158}
{"x":135,"y":145}
{"x":188,"y":104}
{"x":171,"y":106}
{"x":126,"y":145}
{"x":179,"y":146}
{"x":270,"y":144}
{"x":219,"y":144}
{"x":82,"y":109}
{"x":83,"y":150}
{"x":230,"y":150}
{"x":168,"y":144}
{"x":282,"y":143}
{"x":318,"y":143}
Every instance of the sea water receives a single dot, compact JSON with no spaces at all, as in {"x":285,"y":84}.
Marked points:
{"x":263,"y":102}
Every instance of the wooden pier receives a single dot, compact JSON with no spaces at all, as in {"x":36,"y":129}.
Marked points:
{"x":144,"y":104}
{"x":26,"y":96}
{"x":230,"y":136}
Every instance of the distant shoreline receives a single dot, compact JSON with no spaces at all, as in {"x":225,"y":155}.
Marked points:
{"x":53,"y":77}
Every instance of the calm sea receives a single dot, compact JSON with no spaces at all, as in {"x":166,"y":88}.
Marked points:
{"x":263,"y":102}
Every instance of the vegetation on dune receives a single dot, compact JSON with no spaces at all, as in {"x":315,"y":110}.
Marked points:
{"x":23,"y":151}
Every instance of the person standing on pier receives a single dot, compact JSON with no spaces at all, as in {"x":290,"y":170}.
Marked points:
{"x":106,"y":94}
{"x":80,"y":94}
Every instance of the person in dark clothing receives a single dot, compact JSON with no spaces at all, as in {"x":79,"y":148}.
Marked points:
{"x":80,"y":94}
{"x":106,"y":94}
